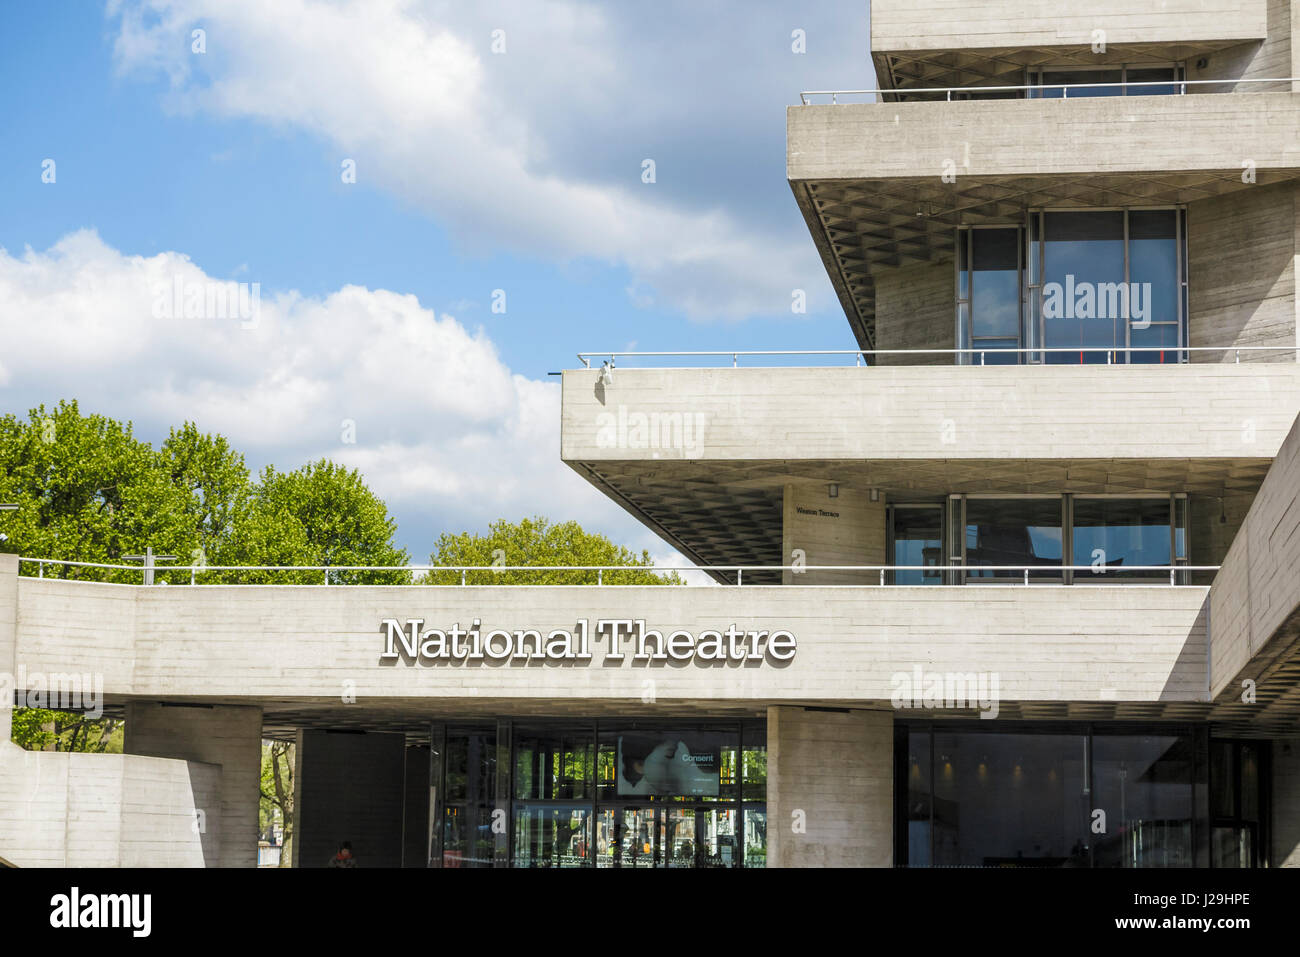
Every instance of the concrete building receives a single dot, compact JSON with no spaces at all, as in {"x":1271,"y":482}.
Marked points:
{"x":1013,"y":583}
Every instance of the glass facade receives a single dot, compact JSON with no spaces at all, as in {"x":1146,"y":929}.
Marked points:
{"x":1133,"y":81}
{"x":1079,"y":286}
{"x":1000,"y":538}
{"x":607,"y":794}
{"x":1075,"y":796}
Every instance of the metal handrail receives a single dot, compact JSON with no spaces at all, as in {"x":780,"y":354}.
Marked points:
{"x":586,"y":357}
{"x":1064,"y":87}
{"x":738,"y":570}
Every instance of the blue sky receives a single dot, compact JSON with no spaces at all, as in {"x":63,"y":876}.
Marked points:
{"x":477,"y":170}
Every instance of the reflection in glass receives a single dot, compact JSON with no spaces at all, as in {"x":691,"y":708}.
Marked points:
{"x":1083,"y":251}
{"x":1110,"y":533}
{"x":1023,"y":533}
{"x":755,"y":837}
{"x":467,"y":838}
{"x":1144,"y":784}
{"x":1157,"y":75}
{"x":755,"y":769}
{"x":995,"y":295}
{"x":471,"y":766}
{"x":554,"y":764}
{"x":918,"y":541}
{"x":1232,"y":846}
{"x":1153,"y":271}
{"x":1076,"y":79}
{"x":548,"y":835}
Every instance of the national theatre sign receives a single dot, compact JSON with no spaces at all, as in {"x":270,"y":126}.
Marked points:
{"x":623,"y":639}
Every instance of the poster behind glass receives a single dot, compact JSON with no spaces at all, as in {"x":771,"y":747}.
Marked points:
{"x":669,"y":764}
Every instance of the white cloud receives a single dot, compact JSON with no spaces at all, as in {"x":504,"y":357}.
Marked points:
{"x":445,"y":432}
{"x":413,"y":93}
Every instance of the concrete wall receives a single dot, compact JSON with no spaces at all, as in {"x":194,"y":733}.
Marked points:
{"x":107,"y":810}
{"x":1043,"y":137}
{"x":916,"y":309}
{"x":309,"y":643}
{"x":830,"y":788}
{"x":1255,"y":599}
{"x":1241,"y":250}
{"x":1285,"y":802}
{"x":846,"y":530}
{"x":968,"y":412}
{"x":349,"y":786}
{"x":226,"y":736}
{"x":1266,"y":59}
{"x":898,"y":25}
{"x":415,"y":836}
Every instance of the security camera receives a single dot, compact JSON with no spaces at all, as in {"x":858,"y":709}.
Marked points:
{"x":3,"y":538}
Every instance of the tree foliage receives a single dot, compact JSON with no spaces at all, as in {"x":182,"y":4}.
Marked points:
{"x":536,"y":541}
{"x":89,"y":491}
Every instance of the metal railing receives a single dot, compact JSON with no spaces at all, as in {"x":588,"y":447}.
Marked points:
{"x":1065,"y":88}
{"x":974,"y":354}
{"x":881,"y":573}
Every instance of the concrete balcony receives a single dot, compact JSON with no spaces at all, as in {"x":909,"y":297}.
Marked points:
{"x":294,"y":650}
{"x":874,"y":417}
{"x":716,"y":459}
{"x":884,"y":185}
{"x":957,"y":43}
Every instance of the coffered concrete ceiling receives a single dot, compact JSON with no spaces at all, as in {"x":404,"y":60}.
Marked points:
{"x":862,"y":225}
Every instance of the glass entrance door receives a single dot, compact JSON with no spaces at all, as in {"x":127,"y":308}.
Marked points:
{"x":667,"y":836}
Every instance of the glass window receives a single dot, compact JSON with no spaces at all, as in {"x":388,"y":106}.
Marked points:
{"x":918,"y":800}
{"x":1158,"y":75}
{"x":1021,"y":533}
{"x":1111,"y":533}
{"x":1032,"y":799}
{"x":1010,"y":800}
{"x":471,"y":766}
{"x":548,"y":835}
{"x":554,"y":764}
{"x":1154,"y":286}
{"x":1232,"y":846}
{"x":1083,"y":277}
{"x":1144,"y":785}
{"x":1078,"y":81}
{"x":918,"y":542}
{"x":467,"y":838}
{"x":992,"y":323}
{"x":755,"y":769}
{"x":755,"y":837}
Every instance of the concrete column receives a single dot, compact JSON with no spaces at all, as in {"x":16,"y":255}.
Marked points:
{"x":830,"y":788}
{"x":8,"y":640}
{"x":222,"y":735}
{"x":1285,"y":825}
{"x":415,"y":837}
{"x":349,"y":786}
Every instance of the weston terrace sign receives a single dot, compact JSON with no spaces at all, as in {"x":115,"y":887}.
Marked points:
{"x":621,"y":640}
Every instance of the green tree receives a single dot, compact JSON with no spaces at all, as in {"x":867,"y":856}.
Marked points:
{"x":536,"y":541}
{"x":87,"y":491}
{"x":276,"y":805}
{"x":216,"y":481}
{"x":320,"y":514}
